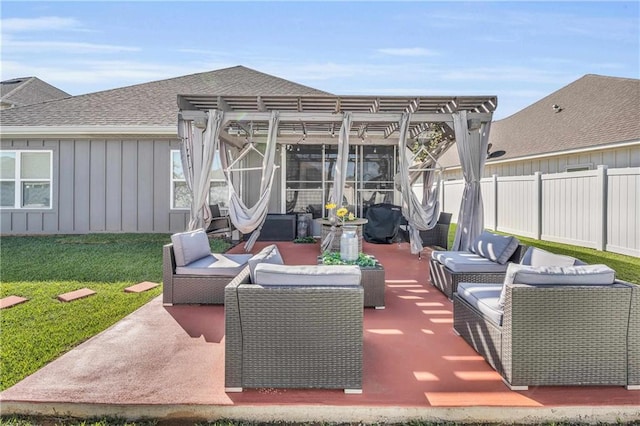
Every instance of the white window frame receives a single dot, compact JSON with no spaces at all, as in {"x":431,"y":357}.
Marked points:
{"x":18,"y":180}
{"x":173,"y":180}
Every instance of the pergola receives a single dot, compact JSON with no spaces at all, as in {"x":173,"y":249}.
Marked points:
{"x":341,"y":120}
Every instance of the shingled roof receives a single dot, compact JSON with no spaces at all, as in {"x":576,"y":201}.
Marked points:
{"x":592,"y":111}
{"x":28,"y":90}
{"x":148,"y":104}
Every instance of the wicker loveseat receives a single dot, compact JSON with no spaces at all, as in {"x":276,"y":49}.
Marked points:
{"x":297,"y":327}
{"x":558,"y":325}
{"x":486,"y":261}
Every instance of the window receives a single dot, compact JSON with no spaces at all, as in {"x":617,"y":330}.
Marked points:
{"x":180,"y":196}
{"x":25,"y":179}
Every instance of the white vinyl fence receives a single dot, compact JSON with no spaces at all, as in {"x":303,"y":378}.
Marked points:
{"x":598,"y":208}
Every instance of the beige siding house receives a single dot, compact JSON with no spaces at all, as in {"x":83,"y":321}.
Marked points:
{"x":595,"y":121}
{"x":108,"y":161}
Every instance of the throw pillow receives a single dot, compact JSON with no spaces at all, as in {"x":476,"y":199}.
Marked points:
{"x":269,"y":254}
{"x":497,"y":248}
{"x":190,"y":246}
{"x":538,"y":257}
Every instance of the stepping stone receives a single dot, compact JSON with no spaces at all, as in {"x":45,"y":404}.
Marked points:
{"x":10,"y":301}
{"x":75,"y":295}
{"x":140,"y":287}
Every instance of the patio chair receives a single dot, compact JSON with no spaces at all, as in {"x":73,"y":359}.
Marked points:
{"x":219,"y":225}
{"x":192,"y":274}
{"x":296,"y":327}
{"x":554,"y":326}
{"x":439,"y":235}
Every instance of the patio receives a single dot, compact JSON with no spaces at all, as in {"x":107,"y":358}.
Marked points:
{"x":168,"y":362}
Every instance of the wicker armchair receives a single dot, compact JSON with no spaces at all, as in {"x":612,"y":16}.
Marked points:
{"x":190,"y":288}
{"x":558,"y":335}
{"x":293,"y":336}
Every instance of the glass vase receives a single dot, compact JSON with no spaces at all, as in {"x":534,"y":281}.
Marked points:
{"x":349,"y":244}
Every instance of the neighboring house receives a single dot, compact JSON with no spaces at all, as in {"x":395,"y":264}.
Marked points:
{"x":27,"y":91}
{"x":593,"y":121}
{"x":108,"y":161}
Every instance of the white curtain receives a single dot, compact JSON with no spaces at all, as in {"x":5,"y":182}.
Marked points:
{"x":339,"y":176}
{"x":197,"y":154}
{"x":250,"y":219}
{"x":420,"y":216}
{"x":472,"y":150}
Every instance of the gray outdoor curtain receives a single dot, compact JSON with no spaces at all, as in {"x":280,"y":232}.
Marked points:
{"x":251,"y":219}
{"x":472,"y":150}
{"x":197,"y":156}
{"x":339,"y":176}
{"x":420,"y":216}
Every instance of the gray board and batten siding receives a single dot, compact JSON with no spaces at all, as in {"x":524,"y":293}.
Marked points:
{"x":101,"y":185}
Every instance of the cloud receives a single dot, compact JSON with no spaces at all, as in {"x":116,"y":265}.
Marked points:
{"x":23,"y":46}
{"x":43,"y":23}
{"x":407,"y":51}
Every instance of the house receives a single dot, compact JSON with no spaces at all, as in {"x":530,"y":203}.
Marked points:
{"x":108,"y":161}
{"x":26,"y":91}
{"x":593,"y":121}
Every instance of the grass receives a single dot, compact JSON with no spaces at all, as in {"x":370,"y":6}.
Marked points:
{"x":40,"y":268}
{"x":627,"y":267}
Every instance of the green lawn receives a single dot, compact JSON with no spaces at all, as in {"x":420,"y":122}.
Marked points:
{"x":42,"y":267}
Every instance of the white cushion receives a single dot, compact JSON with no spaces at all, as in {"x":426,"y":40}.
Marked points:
{"x":334,"y":275}
{"x":269,"y":254}
{"x":538,"y":257}
{"x":497,"y":248}
{"x":216,"y":264}
{"x":463,"y":261}
{"x":190,"y":246}
{"x":484,"y":298}
{"x":556,"y":275}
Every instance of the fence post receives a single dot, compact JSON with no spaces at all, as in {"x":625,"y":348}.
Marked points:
{"x":494,"y":208}
{"x":537,"y":176}
{"x":601,"y":221}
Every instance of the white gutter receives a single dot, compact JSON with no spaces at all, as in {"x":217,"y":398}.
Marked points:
{"x":557,"y":153}
{"x":44,"y":131}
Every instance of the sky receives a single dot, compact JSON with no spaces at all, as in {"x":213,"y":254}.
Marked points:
{"x":518,"y":51}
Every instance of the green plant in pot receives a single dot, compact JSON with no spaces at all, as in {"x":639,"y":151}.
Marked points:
{"x":363,"y":260}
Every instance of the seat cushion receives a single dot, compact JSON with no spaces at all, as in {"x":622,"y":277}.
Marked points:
{"x":216,"y":264}
{"x":464,"y":261}
{"x":331,"y":275}
{"x":484,"y":298}
{"x":497,"y":248}
{"x":538,"y":257}
{"x":556,"y":275}
{"x":190,"y":246}
{"x":269,"y":254}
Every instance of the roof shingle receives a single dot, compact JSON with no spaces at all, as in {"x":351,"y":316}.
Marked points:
{"x":28,"y":91}
{"x":149,"y":104}
{"x":595,"y":110}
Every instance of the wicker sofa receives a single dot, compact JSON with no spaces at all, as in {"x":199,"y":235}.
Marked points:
{"x":485,"y":262}
{"x":548,"y":326}
{"x":294,"y":332}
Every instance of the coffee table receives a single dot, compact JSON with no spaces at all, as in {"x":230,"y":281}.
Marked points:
{"x":373,"y":283}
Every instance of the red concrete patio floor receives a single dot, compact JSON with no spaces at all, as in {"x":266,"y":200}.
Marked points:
{"x":168,"y":363}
